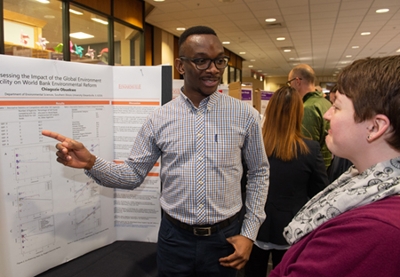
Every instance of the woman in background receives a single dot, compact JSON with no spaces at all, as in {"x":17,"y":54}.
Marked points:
{"x":352,"y":228}
{"x":297,"y":173}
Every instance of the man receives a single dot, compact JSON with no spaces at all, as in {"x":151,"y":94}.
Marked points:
{"x":338,"y":165}
{"x":201,"y":137}
{"x":314,"y":126}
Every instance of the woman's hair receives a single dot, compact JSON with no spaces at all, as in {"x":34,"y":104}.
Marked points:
{"x":373,"y":85}
{"x":282,"y":125}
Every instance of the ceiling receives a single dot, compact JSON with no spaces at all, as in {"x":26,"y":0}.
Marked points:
{"x":320,"y":33}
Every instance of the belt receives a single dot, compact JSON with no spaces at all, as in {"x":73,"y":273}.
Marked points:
{"x":202,"y":230}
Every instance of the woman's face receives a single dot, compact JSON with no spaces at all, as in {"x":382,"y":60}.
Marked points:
{"x":346,"y":138}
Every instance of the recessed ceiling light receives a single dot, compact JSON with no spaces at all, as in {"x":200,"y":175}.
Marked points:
{"x":365,"y":33}
{"x":242,"y":53}
{"x":355,"y":47}
{"x":287,"y":50}
{"x":180,"y":29}
{"x":250,"y":65}
{"x":382,"y":11}
{"x":80,"y":35}
{"x":348,"y":56}
{"x":43,"y":1}
{"x":270,"y":20}
{"x":49,"y":16}
{"x":398,"y":50}
{"x":252,"y":60}
{"x":280,"y":38}
{"x":159,"y":0}
{"x":226,"y":42}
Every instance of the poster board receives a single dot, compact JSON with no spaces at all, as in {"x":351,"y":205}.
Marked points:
{"x":50,"y":213}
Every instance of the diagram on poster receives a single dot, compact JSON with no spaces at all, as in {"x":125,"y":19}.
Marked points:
{"x":32,"y":162}
{"x":34,"y":199}
{"x":36,"y":235}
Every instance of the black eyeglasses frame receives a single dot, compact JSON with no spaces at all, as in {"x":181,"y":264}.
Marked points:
{"x":203,"y":66}
{"x":291,"y":80}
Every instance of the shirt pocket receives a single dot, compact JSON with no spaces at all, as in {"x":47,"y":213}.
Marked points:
{"x":225,"y":148}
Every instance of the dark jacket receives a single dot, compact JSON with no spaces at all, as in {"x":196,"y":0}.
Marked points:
{"x":291,"y":185}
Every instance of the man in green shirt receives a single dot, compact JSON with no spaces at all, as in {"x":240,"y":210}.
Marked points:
{"x":314,"y":126}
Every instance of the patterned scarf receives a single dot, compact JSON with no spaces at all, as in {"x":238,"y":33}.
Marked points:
{"x":351,"y":190}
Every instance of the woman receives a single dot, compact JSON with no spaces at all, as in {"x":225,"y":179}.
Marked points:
{"x":297,"y":172}
{"x":352,"y":228}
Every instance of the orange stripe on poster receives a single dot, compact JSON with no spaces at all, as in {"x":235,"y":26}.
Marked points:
{"x":153,"y":174}
{"x":52,"y":102}
{"x":136,"y":103}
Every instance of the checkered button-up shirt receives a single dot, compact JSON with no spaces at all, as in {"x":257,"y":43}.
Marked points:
{"x":228,"y":131}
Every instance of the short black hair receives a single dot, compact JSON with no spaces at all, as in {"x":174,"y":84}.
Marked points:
{"x":195,"y":30}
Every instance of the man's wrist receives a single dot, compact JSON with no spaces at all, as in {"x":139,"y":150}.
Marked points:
{"x":91,"y":162}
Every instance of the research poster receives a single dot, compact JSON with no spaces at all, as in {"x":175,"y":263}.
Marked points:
{"x":49,"y":213}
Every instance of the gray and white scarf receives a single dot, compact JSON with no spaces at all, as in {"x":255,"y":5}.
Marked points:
{"x":351,"y":190}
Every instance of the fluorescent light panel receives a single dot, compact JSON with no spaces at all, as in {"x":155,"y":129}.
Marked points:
{"x":98,"y":20}
{"x":81,"y":35}
{"x":75,"y":12}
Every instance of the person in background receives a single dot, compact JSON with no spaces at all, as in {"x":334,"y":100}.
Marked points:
{"x":302,"y":79}
{"x":297,"y":173}
{"x":352,"y":227}
{"x":338,"y":165}
{"x":201,"y":137}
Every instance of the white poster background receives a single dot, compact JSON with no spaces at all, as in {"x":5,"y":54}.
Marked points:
{"x":140,"y":208}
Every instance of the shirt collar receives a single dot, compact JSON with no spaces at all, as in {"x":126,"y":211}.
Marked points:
{"x":207,"y":102}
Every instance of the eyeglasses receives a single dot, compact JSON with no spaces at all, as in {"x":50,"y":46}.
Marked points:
{"x":295,"y":78}
{"x":203,"y":64}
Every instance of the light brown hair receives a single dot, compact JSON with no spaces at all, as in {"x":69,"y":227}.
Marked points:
{"x":373,"y":85}
{"x":282,"y":126}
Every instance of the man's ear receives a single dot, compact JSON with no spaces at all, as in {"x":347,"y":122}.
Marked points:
{"x":179,"y":66}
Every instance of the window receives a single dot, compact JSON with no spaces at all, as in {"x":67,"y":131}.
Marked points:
{"x":32,"y":28}
{"x":88,"y":36}
{"x":126,"y":45}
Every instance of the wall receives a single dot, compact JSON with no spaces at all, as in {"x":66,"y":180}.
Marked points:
{"x":274,"y":83}
{"x":256,"y":82}
{"x":163,"y":47}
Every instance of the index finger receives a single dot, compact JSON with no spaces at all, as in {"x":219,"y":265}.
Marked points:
{"x":54,"y":135}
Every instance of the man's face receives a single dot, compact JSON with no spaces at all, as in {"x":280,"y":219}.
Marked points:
{"x":294,"y":81}
{"x":204,"y":82}
{"x":332,"y":96}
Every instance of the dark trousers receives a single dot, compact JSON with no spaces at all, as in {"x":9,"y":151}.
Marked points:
{"x":182,"y":254}
{"x":257,"y":265}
